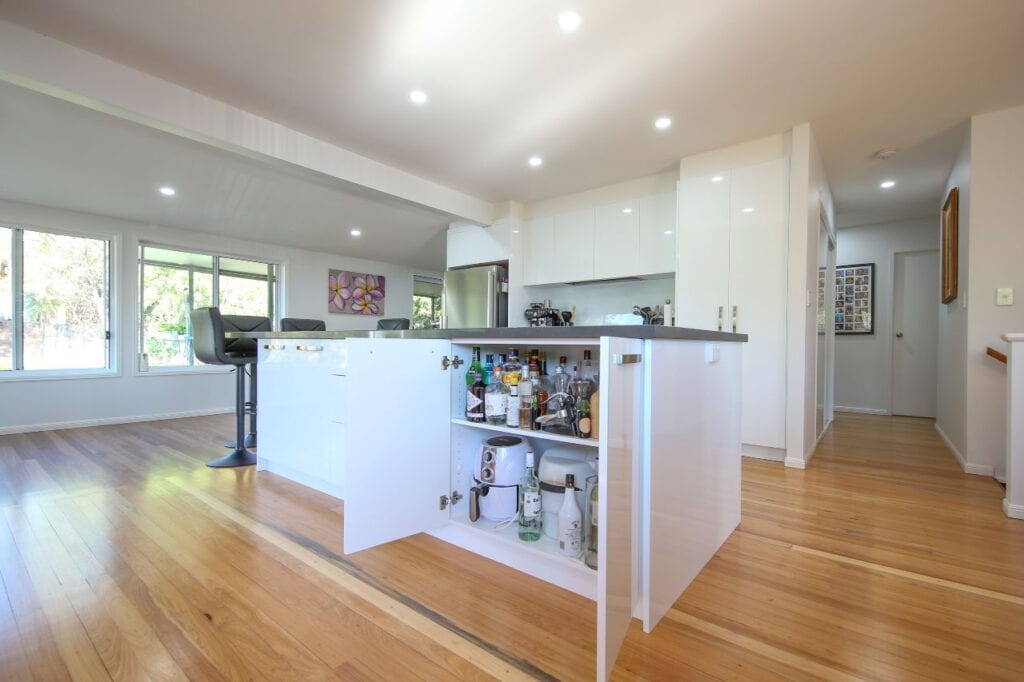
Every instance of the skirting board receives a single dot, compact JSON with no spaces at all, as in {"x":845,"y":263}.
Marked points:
{"x":1014,"y":511}
{"x":106,"y":421}
{"x":762,"y":452}
{"x":968,"y":467}
{"x":861,"y":410}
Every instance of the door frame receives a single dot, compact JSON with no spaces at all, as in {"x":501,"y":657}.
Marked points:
{"x":890,"y":356}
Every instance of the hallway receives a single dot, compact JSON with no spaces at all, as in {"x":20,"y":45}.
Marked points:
{"x":123,"y":557}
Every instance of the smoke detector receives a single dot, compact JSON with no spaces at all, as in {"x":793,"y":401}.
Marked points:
{"x":885,"y":153}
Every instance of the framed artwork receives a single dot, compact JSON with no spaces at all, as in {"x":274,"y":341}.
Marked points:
{"x":949,"y":238}
{"x":855,"y":299}
{"x":355,"y":293}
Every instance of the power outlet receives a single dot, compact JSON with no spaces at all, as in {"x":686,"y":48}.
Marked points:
{"x":1004,"y":296}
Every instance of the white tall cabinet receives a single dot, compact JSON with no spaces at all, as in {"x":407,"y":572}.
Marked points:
{"x":732,"y":276}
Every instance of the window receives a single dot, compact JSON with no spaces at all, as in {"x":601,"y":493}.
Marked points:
{"x":54,"y":301}
{"x":426,"y":302}
{"x":173,"y":283}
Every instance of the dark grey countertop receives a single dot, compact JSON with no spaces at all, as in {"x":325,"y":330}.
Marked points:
{"x":526,"y":333}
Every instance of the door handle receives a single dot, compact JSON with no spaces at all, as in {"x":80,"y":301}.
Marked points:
{"x":721,"y":317}
{"x":310,"y":349}
{"x":735,"y":317}
{"x":899,"y":335}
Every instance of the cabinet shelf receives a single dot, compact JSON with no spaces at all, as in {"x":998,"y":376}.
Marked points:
{"x":526,"y":433}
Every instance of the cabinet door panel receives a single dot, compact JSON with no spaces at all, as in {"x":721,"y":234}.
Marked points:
{"x":574,"y":246}
{"x":274,"y":386}
{"x":397,"y":452}
{"x":657,"y":234}
{"x":619,"y":418}
{"x":758,"y":290}
{"x":617,"y":240}
{"x":702,"y":251}
{"x":539,"y":262}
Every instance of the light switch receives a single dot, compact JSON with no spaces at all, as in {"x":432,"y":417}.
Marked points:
{"x":712,"y":353}
{"x":1004,"y":296}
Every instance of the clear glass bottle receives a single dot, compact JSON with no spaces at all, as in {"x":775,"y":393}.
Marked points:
{"x":570,"y":521}
{"x":512,"y":407}
{"x":512,"y":371}
{"x":496,"y":399}
{"x":530,"y":517}
{"x":590,"y":556}
{"x":475,"y":395}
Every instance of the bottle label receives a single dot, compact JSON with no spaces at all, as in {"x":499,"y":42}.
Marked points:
{"x":531,"y":504}
{"x":512,"y":416}
{"x":495,"y":404}
{"x":585,"y":427}
{"x":570,"y":540}
{"x":472,"y":404}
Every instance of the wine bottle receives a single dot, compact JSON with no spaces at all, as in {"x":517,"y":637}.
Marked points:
{"x":530,"y":517}
{"x":475,"y":399}
{"x":570,"y":521}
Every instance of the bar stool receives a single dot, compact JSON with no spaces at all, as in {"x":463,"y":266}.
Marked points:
{"x":211,"y":347}
{"x":246,"y":323}
{"x":299,"y":324}
{"x":393,"y":323}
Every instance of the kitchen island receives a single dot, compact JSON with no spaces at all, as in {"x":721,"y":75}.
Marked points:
{"x":378,"y":420}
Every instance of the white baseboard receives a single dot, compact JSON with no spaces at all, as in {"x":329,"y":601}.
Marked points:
{"x":762,"y":452}
{"x":1014,"y":511}
{"x":105,"y":421}
{"x":795,"y":463}
{"x":861,"y":410}
{"x":968,"y":467}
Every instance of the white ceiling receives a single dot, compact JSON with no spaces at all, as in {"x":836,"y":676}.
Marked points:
{"x":60,"y":154}
{"x":504,"y":83}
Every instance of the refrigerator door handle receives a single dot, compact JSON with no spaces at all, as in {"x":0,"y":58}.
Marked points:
{"x":492,"y":298}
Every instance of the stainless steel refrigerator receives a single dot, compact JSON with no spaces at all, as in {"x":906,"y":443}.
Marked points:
{"x":476,"y":297}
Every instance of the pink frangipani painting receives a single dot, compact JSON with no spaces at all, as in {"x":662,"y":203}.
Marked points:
{"x":355,"y":293}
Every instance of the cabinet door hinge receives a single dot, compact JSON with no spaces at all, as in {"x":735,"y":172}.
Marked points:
{"x":455,"y":362}
{"x":444,"y":500}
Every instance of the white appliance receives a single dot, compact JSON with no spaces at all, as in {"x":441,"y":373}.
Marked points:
{"x":500,"y":468}
{"x":554,"y":465}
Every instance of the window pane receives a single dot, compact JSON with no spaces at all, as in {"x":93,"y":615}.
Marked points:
{"x":166,"y":338}
{"x":65,"y":295}
{"x":426,"y":312}
{"x":6,"y":302}
{"x":243,"y":288}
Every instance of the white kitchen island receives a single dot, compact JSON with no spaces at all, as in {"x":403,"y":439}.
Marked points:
{"x":377,"y":419}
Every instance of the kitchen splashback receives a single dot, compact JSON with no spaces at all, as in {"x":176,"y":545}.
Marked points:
{"x":594,"y":301}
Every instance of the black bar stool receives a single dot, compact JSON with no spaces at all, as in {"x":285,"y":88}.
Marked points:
{"x":211,"y":347}
{"x":299,"y":324}
{"x":393,"y":323}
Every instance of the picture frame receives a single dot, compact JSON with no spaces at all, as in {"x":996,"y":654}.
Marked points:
{"x":854,"y":293}
{"x":949,"y":242}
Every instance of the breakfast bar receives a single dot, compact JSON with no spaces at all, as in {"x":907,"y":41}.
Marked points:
{"x":379,"y":420}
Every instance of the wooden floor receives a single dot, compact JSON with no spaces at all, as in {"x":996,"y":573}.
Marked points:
{"x":123,"y":557}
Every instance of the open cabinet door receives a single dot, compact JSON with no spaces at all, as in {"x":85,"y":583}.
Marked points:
{"x":398,"y":442}
{"x":619,"y":433}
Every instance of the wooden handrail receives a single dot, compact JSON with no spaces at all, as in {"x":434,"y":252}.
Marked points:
{"x":993,"y":353}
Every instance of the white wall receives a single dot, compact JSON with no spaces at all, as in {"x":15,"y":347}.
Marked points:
{"x":129,"y":395}
{"x":864,"y":362}
{"x":951,"y":397}
{"x":996,"y":259}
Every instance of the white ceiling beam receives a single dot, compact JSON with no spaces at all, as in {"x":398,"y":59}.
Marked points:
{"x":61,"y":70}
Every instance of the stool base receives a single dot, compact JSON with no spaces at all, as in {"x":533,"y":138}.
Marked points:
{"x":238,"y":458}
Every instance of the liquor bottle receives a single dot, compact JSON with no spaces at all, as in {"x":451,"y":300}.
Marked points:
{"x":583,"y":424}
{"x":525,"y":400}
{"x":537,"y":391}
{"x":570,"y":521}
{"x":530,"y":517}
{"x":496,"y":399}
{"x":512,"y":407}
{"x":475,"y":399}
{"x":560,"y":381}
{"x":590,"y":556}
{"x":489,"y":369}
{"x":535,"y":413}
{"x":589,"y":370}
{"x":512,"y":371}
{"x":474,"y":367}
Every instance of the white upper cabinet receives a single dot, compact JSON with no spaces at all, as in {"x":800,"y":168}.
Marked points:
{"x":657,"y":238}
{"x":574,"y":246}
{"x":617,"y":240}
{"x":539,"y":252}
{"x":702,"y":252}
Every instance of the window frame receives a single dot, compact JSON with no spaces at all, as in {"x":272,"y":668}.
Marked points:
{"x":113,"y":251}
{"x":274,"y":300}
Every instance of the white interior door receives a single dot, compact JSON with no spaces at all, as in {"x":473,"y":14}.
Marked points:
{"x":915,"y":331}
{"x":398,"y":452}
{"x":621,"y":390}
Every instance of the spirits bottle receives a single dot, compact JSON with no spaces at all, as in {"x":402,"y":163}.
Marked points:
{"x":590,"y":556}
{"x":530,"y":517}
{"x":539,"y":395}
{"x":496,"y":399}
{"x":583,"y":423}
{"x":512,"y":371}
{"x":475,"y":399}
{"x":570,"y":521}
{"x":474,"y":367}
{"x":512,"y":407}
{"x":589,"y":370}
{"x":488,"y":369}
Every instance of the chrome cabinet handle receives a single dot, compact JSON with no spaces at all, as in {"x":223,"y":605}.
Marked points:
{"x":735,"y":317}
{"x":899,"y":335}
{"x":274,"y":346}
{"x":310,"y":349}
{"x":721,"y":317}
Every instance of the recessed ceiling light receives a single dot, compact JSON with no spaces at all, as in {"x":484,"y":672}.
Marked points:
{"x":418,"y":97}
{"x":535,"y":161}
{"x":663,"y":123}
{"x":355,"y":232}
{"x":627,"y":210}
{"x":748,"y":209}
{"x":569,"y":21}
{"x":167,"y":191}
{"x":888,"y":184}
{"x":717,"y":178}
{"x":668,"y":231}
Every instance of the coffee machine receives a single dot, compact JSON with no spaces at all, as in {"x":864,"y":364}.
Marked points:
{"x":543,"y":315}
